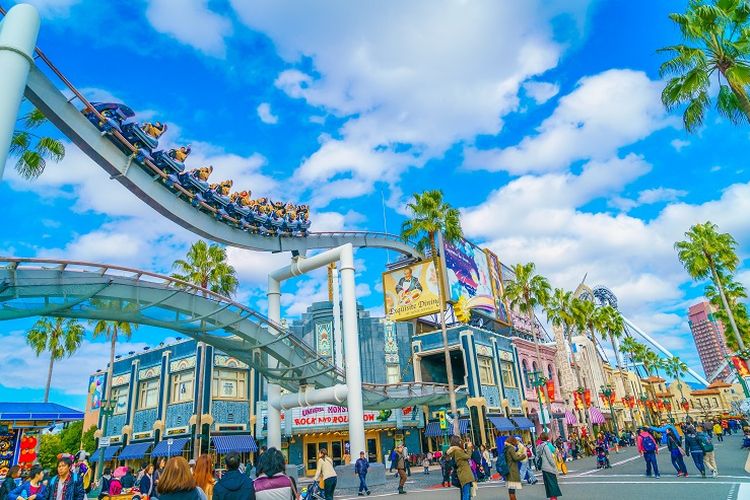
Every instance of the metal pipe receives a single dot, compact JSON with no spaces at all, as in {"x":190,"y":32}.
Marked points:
{"x":274,"y":390}
{"x":18,"y":34}
{"x":308,"y":396}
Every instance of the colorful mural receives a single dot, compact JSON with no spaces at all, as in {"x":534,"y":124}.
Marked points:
{"x":496,"y":280}
{"x":468,"y":275}
{"x":96,"y":391}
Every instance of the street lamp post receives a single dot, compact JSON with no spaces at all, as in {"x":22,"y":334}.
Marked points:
{"x":537,"y":380}
{"x":107,"y":408}
{"x":607,"y":391}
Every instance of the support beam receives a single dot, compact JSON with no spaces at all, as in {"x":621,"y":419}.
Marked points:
{"x":308,"y":396}
{"x":274,"y":390}
{"x":18,"y":34}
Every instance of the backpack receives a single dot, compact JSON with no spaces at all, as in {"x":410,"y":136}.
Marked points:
{"x":502,"y":465}
{"x":648,"y":443}
{"x":706,"y":444}
{"x":538,"y":456}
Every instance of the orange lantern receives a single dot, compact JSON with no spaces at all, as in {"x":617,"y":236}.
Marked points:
{"x":551,"y":389}
{"x":587,"y":397}
{"x":578,"y":400}
{"x":741,"y":366}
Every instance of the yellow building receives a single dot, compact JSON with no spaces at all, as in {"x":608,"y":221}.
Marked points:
{"x":677,"y":401}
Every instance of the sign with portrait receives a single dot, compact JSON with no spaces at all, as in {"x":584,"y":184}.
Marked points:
{"x":411,"y":292}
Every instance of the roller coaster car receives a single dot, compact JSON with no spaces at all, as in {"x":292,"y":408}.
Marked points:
{"x":144,"y":136}
{"x":171,"y":161}
{"x":195,"y":181}
{"x":114,"y":114}
{"x":217,"y":195}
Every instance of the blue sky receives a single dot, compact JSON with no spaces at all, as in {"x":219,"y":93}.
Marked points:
{"x":541,"y":121}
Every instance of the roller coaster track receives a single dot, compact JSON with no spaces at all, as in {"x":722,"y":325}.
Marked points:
{"x":82,"y":290}
{"x":147,"y":183}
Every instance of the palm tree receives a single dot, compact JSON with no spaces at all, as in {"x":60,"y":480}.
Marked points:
{"x":205,"y":266}
{"x":676,"y":368}
{"x":613,"y":329}
{"x":717,"y":43}
{"x":61,"y":337}
{"x":33,"y":150}
{"x":430,"y":216}
{"x":705,"y":253}
{"x":525,"y":292}
{"x":633,"y":349}
{"x":559,"y":310}
{"x":112,"y":331}
{"x":734,"y":292}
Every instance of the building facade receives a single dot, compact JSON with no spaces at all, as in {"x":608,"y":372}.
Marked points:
{"x":708,"y":333}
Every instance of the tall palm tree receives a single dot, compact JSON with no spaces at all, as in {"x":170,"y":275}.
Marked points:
{"x":112,"y":331}
{"x":60,"y":337}
{"x":430,"y":215}
{"x":34,"y":150}
{"x":705,"y":253}
{"x":717,"y":43}
{"x":614,"y":329}
{"x":633,"y":349}
{"x":526,"y":291}
{"x":676,"y":368}
{"x":205,"y":266}
{"x":734,"y":292}
{"x":559,"y":311}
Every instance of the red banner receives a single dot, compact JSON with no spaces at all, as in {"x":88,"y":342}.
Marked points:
{"x":551,"y":389}
{"x":578,"y":400}
{"x":741,"y":366}
{"x":587,"y":397}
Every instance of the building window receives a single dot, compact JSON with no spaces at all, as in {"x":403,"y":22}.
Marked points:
{"x":120,"y":397}
{"x":182,"y":386}
{"x":716,"y":403}
{"x":148,"y":394}
{"x":506,"y":372}
{"x":550,"y":373}
{"x":229,"y":384}
{"x":486,"y":374}
{"x":525,"y":374}
{"x":392,"y":374}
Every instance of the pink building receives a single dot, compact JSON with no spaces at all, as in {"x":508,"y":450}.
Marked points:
{"x":708,"y":333}
{"x":527,"y":364}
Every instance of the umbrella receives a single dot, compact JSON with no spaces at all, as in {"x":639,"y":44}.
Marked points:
{"x":120,"y":471}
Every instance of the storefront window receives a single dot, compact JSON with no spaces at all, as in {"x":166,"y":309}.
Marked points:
{"x":148,"y":395}
{"x":525,"y":373}
{"x":486,"y":375}
{"x":506,"y":371}
{"x":120,"y":396}
{"x":182,"y":386}
{"x":229,"y":384}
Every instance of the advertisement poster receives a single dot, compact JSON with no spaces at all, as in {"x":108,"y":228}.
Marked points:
{"x":411,"y":292}
{"x":496,"y":280}
{"x":323,"y":338}
{"x":8,"y":442}
{"x":468,"y":275}
{"x":96,"y":390}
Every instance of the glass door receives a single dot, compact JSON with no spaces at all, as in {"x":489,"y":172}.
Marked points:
{"x":311,"y":457}
{"x":337,"y":453}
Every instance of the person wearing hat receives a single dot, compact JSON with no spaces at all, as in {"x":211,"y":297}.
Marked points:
{"x":66,"y":485}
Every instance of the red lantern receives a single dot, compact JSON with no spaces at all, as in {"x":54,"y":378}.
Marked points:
{"x":741,"y":366}
{"x":578,"y":400}
{"x":612,"y":398}
{"x":551,"y":389}
{"x":587,"y":397}
{"x":685,"y":405}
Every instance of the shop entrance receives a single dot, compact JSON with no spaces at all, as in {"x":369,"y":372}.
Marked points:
{"x":337,"y":445}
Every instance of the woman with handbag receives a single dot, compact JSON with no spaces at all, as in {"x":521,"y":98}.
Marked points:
{"x":674,"y":444}
{"x":545,"y":457}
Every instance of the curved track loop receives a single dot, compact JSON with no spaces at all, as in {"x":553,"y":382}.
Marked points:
{"x":146,"y":183}
{"x":38,"y":287}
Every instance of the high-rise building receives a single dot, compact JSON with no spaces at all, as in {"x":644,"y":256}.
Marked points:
{"x":708,"y":333}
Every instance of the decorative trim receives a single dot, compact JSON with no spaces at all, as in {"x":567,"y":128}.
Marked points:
{"x":147,"y":373}
{"x":483,"y":350}
{"x":228,"y":361}
{"x":176,"y":431}
{"x":143,"y":435}
{"x":177,"y":365}
{"x":120,"y":380}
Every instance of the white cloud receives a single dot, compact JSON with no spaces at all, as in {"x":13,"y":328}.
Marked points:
{"x":679,"y":144}
{"x":604,"y":112}
{"x":410,"y":79}
{"x":715,"y":168}
{"x":648,"y":197}
{"x":192,"y":23}
{"x":265,"y":114}
{"x":541,"y":92}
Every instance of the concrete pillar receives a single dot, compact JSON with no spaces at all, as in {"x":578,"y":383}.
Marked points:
{"x":273,"y":390}
{"x":18,"y":34}
{"x":351,"y":351}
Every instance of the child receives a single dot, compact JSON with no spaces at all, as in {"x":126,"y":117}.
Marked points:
{"x":426,"y":465}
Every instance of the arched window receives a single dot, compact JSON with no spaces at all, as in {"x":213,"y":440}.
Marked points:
{"x":525,"y":368}
{"x":550,"y":373}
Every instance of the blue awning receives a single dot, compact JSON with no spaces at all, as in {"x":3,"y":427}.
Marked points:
{"x":240,"y":443}
{"x":463,"y":426}
{"x":38,"y":411}
{"x":109,"y":452}
{"x":433,"y":429}
{"x":135,"y":451}
{"x":163,"y":449}
{"x":502,"y":424}
{"x":523,"y":423}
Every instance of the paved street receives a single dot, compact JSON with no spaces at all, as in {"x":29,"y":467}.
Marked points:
{"x":626,"y":480}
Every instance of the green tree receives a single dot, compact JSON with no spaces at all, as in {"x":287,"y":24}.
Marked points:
{"x":706,"y":253}
{"x":113,"y":331}
{"x":716,"y":44}
{"x":613,"y":328}
{"x":50,"y":445}
{"x":70,"y":437}
{"x":33,"y":150}
{"x":560,"y":314}
{"x":676,"y":368}
{"x":526,"y":291}
{"x":88,"y":441}
{"x":60,"y":337}
{"x":430,"y":215}
{"x":734,"y":292}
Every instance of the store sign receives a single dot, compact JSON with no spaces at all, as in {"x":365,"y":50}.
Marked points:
{"x":327,"y":416}
{"x":411,"y":292}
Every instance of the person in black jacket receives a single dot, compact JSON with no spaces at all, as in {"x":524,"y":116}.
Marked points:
{"x":146,"y":484}
{"x":234,"y":485}
{"x":66,"y":484}
{"x":12,"y":479}
{"x":128,"y":480}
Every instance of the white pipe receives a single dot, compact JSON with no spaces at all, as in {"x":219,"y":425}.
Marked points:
{"x":273,"y":390}
{"x":338,"y":348}
{"x":309,"y":396}
{"x":18,"y":34}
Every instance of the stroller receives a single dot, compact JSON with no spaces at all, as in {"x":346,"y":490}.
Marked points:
{"x":602,"y":460}
{"x":312,"y":492}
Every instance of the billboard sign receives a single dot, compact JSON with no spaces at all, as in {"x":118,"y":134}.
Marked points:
{"x":96,"y":390}
{"x":498,"y":292}
{"x":411,"y":292}
{"x":468,"y":275}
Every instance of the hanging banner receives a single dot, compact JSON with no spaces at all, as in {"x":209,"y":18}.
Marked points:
{"x":551,"y":389}
{"x":468,"y":275}
{"x":498,"y":291}
{"x":741,"y":366}
{"x":96,"y":389}
{"x":8,"y":444}
{"x":411,"y":292}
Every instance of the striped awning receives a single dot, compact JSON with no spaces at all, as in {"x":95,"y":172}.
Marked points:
{"x":523,"y":423}
{"x":597,"y":417}
{"x":241,"y":443}
{"x":433,"y":429}
{"x":163,"y":448}
{"x":463,"y":426}
{"x":502,"y":424}
{"x":570,"y":418}
{"x":135,"y":451}
{"x":109,"y":452}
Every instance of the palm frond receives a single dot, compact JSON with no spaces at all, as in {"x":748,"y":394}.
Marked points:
{"x":30,"y":165}
{"x":34,"y":118}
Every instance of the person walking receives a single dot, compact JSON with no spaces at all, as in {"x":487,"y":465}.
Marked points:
{"x":361,"y":467}
{"x":233,"y":484}
{"x":272,"y":482}
{"x":524,"y":467}
{"x":648,"y":449}
{"x":401,"y":468}
{"x":32,"y":488}
{"x":66,"y":485}
{"x":326,"y":472}
{"x":11,"y":482}
{"x":693,"y":446}
{"x":177,"y":482}
{"x":513,"y":457}
{"x":674,"y":445}
{"x":709,"y":459}
{"x":407,"y":461}
{"x":146,"y":483}
{"x":204,"y":475}
{"x":464,"y":475}
{"x":445,"y":469}
{"x":105,"y":483}
{"x":158,"y":469}
{"x":718,"y":431}
{"x":545,"y":459}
